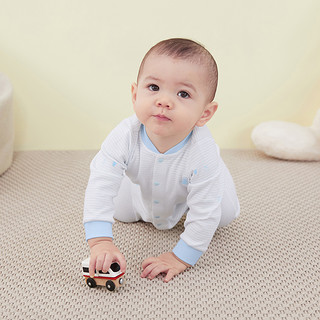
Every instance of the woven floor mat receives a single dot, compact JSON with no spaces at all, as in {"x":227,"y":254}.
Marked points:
{"x":265,"y":265}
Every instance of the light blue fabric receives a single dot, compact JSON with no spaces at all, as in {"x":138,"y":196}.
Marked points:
{"x":148,"y":143}
{"x":96,"y":229}
{"x":186,"y":253}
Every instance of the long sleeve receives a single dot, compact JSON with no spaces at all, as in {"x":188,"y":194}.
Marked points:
{"x":106,"y":173}
{"x":205,"y":191}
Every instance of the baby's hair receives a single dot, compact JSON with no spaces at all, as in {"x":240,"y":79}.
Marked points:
{"x":190,"y":50}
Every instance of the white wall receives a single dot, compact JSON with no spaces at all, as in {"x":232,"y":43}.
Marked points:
{"x":72,"y":62}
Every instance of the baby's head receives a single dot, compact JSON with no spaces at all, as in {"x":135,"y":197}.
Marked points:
{"x":176,"y":85}
{"x":191,"y":51}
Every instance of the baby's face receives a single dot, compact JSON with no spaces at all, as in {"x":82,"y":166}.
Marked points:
{"x":171,"y":97}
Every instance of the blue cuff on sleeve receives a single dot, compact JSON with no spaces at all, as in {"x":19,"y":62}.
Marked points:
{"x":96,"y":229}
{"x":186,"y":253}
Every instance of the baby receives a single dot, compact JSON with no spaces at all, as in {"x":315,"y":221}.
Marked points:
{"x":162,"y":163}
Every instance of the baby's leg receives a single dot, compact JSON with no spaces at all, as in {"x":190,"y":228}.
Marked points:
{"x":230,"y":207}
{"x":124,"y":210}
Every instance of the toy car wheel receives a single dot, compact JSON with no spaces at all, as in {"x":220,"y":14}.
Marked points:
{"x":91,"y":283}
{"x":110,"y":285}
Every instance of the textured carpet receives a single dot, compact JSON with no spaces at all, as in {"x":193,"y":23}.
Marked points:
{"x":265,"y":265}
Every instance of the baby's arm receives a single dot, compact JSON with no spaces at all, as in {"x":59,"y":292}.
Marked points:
{"x":106,"y":174}
{"x":103,"y":253}
{"x":205,"y":191}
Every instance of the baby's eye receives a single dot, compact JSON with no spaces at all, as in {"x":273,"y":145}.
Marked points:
{"x":153,"y":87}
{"x":183,"y":94}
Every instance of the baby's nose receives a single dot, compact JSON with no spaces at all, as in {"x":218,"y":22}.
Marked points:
{"x":164,"y":102}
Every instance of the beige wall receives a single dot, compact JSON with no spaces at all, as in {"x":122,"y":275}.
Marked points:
{"x":72,"y":62}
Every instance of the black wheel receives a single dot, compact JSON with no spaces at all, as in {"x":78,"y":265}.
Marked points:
{"x":110,"y":285}
{"x":91,"y":283}
{"x":115,"y":267}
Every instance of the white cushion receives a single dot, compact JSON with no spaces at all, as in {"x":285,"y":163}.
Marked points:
{"x":289,"y":141}
{"x":6,"y":124}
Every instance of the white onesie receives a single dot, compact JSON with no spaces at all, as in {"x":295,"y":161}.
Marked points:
{"x":190,"y":178}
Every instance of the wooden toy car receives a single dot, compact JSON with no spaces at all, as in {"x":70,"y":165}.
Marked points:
{"x":112,"y":279}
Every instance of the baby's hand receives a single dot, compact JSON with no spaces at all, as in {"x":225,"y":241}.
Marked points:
{"x":166,"y":263}
{"x":102,"y":253}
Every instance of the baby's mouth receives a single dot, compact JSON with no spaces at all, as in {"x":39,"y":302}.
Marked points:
{"x":162,"y":117}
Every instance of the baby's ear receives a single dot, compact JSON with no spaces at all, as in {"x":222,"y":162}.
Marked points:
{"x":207,"y":114}
{"x":134,"y":87}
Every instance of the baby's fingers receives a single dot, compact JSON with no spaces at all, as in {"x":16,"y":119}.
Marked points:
{"x":122,"y":261}
{"x":106,"y":263}
{"x":170,"y":274}
{"x":157,"y":270}
{"x":92,"y":266}
{"x":148,"y":261}
{"x":148,"y":269}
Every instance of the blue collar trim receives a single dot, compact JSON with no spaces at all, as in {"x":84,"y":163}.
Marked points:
{"x":148,"y":143}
